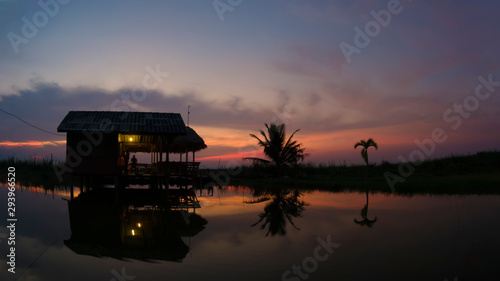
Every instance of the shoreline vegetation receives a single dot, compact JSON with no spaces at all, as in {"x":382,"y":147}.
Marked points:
{"x":456,"y":174}
{"x":34,"y":172}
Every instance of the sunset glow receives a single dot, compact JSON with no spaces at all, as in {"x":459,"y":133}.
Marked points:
{"x":235,"y":74}
{"x":250,"y":139}
{"x":33,"y":143}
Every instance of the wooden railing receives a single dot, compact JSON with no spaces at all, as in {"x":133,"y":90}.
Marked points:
{"x":183,"y":168}
{"x":178,"y":168}
{"x":189,"y":169}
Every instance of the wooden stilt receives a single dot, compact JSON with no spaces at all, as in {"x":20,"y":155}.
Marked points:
{"x":81,"y":184}
{"x":117,"y":189}
{"x":71,"y":186}
{"x":167,"y":189}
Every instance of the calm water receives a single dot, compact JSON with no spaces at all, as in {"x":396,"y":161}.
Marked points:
{"x":335,"y":238}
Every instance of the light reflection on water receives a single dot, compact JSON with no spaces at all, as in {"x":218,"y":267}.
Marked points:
{"x":412,"y":238}
{"x":64,"y":193}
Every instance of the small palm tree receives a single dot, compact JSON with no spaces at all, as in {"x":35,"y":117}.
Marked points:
{"x":366,"y":144}
{"x":281,"y":151}
{"x":364,"y":152}
{"x":364,"y":214}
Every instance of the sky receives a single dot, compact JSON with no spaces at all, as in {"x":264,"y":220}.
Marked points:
{"x":412,"y":75}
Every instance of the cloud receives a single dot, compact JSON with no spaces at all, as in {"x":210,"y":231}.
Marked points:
{"x":357,"y":104}
{"x":45,"y":104}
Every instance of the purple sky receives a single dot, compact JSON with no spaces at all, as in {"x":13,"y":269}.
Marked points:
{"x":239,"y":64}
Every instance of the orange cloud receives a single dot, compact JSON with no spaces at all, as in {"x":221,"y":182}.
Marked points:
{"x":32,"y":143}
{"x":314,"y":143}
{"x":255,"y":153}
{"x":219,"y":136}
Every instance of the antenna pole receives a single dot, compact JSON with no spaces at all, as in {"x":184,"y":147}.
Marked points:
{"x":188,"y":113}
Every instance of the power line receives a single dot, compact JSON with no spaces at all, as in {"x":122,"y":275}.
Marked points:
{"x":41,"y":254}
{"x":31,"y":125}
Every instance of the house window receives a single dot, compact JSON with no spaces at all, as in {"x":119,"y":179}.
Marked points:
{"x":128,"y":138}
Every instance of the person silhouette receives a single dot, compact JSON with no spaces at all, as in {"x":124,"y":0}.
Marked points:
{"x":133,"y":163}
{"x":126,"y":156}
{"x":122,"y":164}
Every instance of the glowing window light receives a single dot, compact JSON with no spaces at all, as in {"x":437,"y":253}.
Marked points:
{"x":139,"y":224}
{"x":133,"y":232}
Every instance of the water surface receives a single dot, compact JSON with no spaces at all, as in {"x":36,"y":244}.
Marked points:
{"x":393,"y":238}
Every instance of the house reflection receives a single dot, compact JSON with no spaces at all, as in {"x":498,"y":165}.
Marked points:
{"x":283,"y":207}
{"x":133,"y":228}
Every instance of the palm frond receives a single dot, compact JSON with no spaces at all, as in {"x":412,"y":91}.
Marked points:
{"x":366,"y":144}
{"x":277,"y":147}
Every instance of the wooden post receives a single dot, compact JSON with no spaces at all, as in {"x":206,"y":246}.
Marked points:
{"x":71,"y":186}
{"x":167,"y":149}
{"x":117,"y":187}
{"x":81,"y":184}
{"x":161,"y":152}
{"x":167,"y":189}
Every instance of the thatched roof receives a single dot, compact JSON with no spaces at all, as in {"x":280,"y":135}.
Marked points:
{"x":153,"y":123}
{"x":189,"y":142}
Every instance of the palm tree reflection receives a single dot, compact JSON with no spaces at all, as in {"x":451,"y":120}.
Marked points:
{"x":364,"y":213}
{"x":284,"y":206}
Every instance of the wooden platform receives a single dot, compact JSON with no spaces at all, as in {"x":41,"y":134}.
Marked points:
{"x":175,"y":199}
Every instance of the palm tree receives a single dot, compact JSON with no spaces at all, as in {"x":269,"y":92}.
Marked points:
{"x":364,"y":152}
{"x":281,"y":151}
{"x":366,"y":144}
